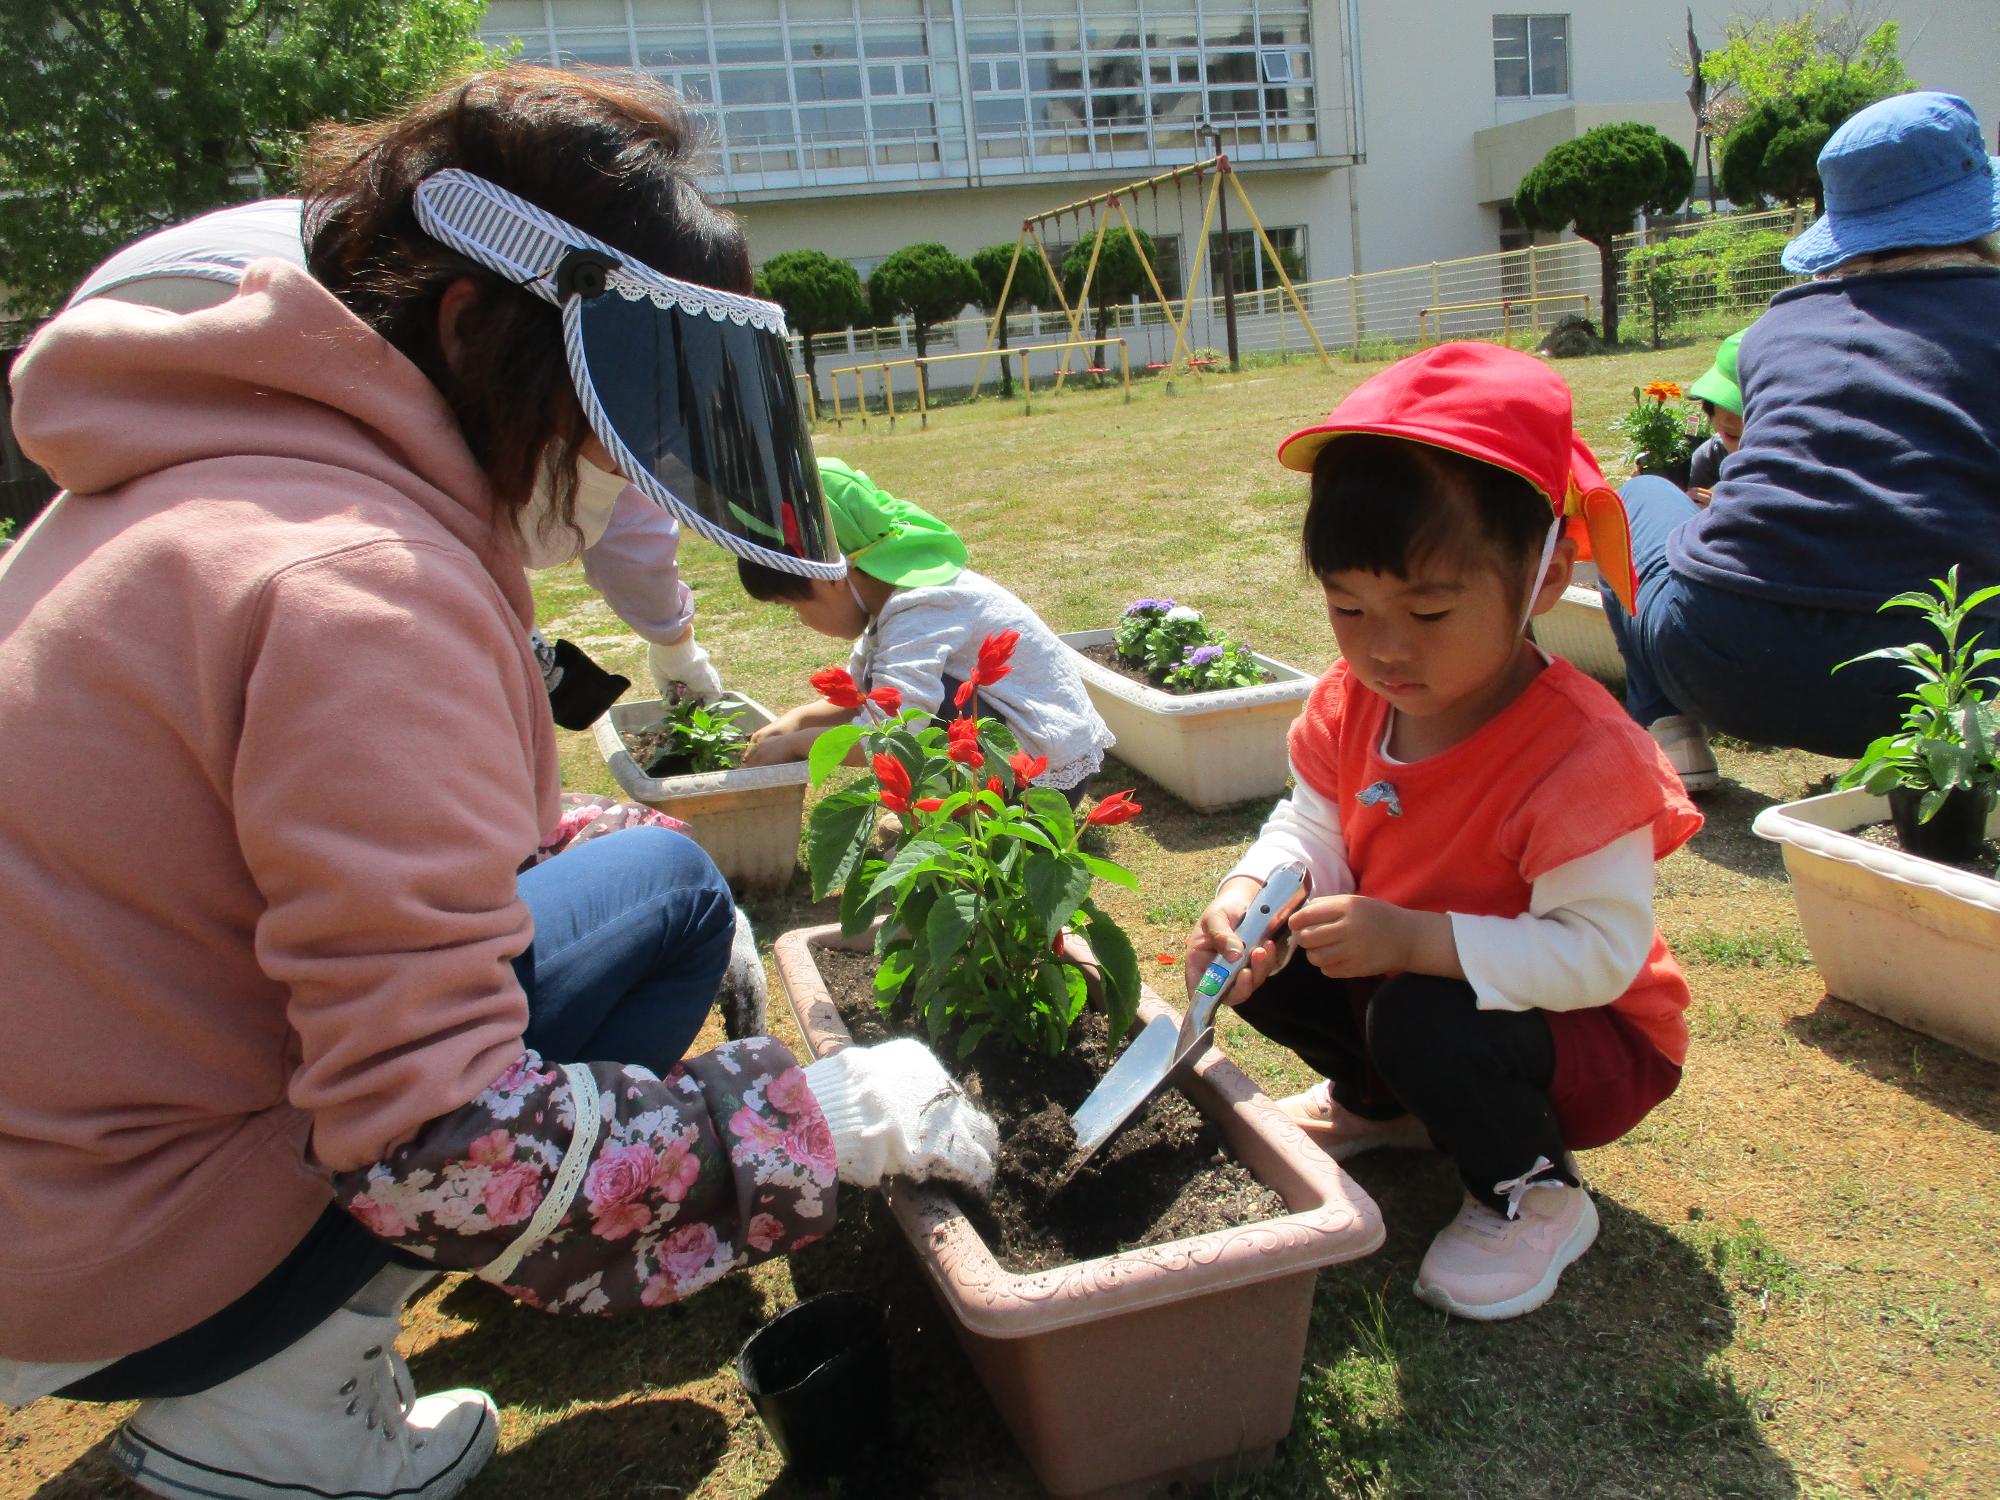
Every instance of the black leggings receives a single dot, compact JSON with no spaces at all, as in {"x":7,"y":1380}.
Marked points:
{"x":1417,"y":1044}
{"x":335,"y":1260}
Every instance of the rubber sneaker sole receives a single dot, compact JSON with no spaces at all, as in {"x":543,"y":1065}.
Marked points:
{"x":178,"y":1477}
{"x":1580,"y":1238}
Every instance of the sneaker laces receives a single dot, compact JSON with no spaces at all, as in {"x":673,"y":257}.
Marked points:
{"x":381,"y":1394}
{"x":1514,"y":1189}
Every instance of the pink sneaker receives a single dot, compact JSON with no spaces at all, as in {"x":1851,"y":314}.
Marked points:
{"x":1486,"y":1266}
{"x":1341,"y":1133}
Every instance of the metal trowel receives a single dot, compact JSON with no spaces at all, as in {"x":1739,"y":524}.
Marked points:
{"x":1161,"y":1047}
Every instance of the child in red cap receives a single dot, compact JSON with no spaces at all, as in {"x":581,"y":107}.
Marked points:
{"x":1480,"y":969}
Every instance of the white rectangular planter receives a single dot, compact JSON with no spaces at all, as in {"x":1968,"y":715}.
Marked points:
{"x":747,"y":819}
{"x":1208,"y":749}
{"x":1576,"y":630}
{"x":1907,"y":938}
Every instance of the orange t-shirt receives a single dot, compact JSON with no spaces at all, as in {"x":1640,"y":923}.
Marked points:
{"x":1559,"y":773}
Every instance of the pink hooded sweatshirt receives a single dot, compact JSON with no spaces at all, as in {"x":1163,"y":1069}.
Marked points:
{"x":275,"y":745}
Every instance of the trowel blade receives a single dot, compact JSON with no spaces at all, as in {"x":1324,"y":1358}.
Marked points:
{"x":1130,"y":1083}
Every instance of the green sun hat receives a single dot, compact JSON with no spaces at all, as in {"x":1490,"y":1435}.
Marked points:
{"x":884,"y":537}
{"x":1719,"y":384}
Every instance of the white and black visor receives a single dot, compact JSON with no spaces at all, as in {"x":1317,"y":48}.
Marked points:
{"x":690,"y":388}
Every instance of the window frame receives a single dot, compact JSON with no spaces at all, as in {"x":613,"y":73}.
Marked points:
{"x":1527,"y":59}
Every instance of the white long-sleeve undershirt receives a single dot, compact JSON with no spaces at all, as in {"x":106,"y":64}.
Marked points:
{"x":1581,"y":943}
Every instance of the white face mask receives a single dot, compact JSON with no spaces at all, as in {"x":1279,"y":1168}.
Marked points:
{"x":546,"y":542}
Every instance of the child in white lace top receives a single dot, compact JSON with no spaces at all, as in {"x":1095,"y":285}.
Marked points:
{"x":920,"y":615}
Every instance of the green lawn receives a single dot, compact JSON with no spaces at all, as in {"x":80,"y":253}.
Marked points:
{"x":1797,"y":1291}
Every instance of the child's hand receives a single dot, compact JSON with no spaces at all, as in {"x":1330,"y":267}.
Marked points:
{"x":1351,"y":937}
{"x":1214,"y":937}
{"x":774,"y":745}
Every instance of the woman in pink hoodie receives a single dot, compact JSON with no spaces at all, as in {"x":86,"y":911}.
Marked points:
{"x":308,"y":1022}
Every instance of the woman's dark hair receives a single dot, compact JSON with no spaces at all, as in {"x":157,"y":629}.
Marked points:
{"x":1384,"y":504}
{"x":770,"y":585}
{"x":613,"y":154}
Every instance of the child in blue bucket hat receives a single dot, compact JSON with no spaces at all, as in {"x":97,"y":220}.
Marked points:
{"x":918,"y":617}
{"x":1869,"y":460}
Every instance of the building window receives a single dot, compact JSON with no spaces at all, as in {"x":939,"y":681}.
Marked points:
{"x":1531,"y":57}
{"x":1249,"y":262}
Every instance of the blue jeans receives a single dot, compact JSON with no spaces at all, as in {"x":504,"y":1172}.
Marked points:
{"x":1753,"y":668}
{"x":632,"y":932}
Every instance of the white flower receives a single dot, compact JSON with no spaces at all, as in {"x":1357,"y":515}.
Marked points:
{"x":1184,"y":612}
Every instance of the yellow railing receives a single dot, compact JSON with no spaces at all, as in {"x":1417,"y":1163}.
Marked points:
{"x":1506,"y":306}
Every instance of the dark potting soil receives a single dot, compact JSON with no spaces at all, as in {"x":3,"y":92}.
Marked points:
{"x":649,"y":748}
{"x":1106,"y":655}
{"x":1166,"y":1175}
{"x":1986,"y":862}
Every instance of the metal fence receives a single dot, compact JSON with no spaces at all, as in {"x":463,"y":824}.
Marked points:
{"x":1718,"y":267}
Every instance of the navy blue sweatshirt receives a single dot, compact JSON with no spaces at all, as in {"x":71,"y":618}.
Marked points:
{"x":1870,"y":460}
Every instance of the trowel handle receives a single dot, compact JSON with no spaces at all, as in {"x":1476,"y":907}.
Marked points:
{"x":1267,"y":911}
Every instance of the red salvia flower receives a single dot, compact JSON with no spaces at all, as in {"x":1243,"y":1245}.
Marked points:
{"x":962,"y":731}
{"x":965,"y":691}
{"x":929,"y":804}
{"x":967,"y":753}
{"x":837,"y":687}
{"x":887,"y":699}
{"x":993,"y":654}
{"x":1026,"y":767}
{"x":993,"y":786}
{"x":895,"y":783}
{"x":1117,"y":808}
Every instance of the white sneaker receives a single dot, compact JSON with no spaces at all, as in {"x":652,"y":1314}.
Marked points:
{"x":1686,"y":745}
{"x":1486,"y":1266}
{"x":1341,"y":1133}
{"x":333,"y":1415}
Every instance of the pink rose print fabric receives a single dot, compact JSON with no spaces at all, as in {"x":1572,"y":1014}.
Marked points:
{"x":586,"y":816}
{"x":726,"y":1160}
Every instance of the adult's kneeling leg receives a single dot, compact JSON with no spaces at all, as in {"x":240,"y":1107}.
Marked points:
{"x":632,"y":932}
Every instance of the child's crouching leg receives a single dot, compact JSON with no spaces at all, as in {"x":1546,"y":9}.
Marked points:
{"x":1481,"y":1080}
{"x":1316,"y":1017}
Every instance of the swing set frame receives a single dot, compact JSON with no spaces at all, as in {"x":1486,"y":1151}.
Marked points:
{"x":1102,"y":206}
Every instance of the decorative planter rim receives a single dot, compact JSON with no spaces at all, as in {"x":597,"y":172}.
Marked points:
{"x":1826,"y":835}
{"x":1289,"y":684}
{"x":996,"y":1303}
{"x":630,"y":775}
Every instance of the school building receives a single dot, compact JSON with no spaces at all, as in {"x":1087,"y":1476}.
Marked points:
{"x":1370,"y":133}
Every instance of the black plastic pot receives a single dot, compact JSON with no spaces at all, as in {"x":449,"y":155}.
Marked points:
{"x":818,"y":1374}
{"x":1954,"y":833}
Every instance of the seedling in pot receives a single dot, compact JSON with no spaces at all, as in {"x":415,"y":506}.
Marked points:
{"x":1945,"y":751}
{"x":691,"y":737}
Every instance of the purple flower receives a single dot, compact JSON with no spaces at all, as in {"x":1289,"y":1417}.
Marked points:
{"x":1148,"y":607}
{"x":1201,"y":656}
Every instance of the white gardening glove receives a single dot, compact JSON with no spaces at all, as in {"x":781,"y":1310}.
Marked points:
{"x":685,"y":662}
{"x":894,"y":1112}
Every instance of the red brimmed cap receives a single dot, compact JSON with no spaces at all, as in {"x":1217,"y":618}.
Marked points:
{"x":1498,"y":406}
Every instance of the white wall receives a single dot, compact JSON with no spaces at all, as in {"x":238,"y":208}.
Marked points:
{"x":966,"y":219}
{"x":1427,"y":86}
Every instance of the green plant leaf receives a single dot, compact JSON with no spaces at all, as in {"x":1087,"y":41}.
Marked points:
{"x":905,"y":863}
{"x":1105,"y":869}
{"x":972,"y":1036}
{"x":837,"y":838}
{"x":856,"y":910}
{"x":1053,"y":808}
{"x":830,"y":749}
{"x":1120,"y":967}
{"x":951,"y":919}
{"x":1056,"y":887}
{"x":895,"y":969}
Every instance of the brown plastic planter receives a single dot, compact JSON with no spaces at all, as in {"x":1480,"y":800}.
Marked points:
{"x":1177,"y":1361}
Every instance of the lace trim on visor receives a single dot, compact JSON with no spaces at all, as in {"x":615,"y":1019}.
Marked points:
{"x":513,"y":238}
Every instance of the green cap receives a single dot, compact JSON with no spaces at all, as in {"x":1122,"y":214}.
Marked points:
{"x":1719,"y":384}
{"x":884,"y":537}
